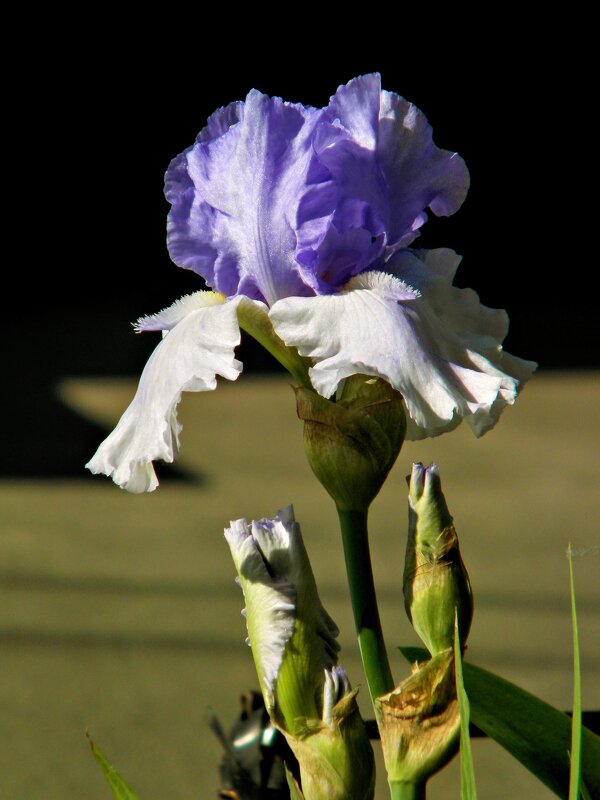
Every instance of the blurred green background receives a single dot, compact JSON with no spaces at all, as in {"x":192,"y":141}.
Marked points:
{"x":119,"y":614}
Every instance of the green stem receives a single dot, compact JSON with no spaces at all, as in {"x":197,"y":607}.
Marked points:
{"x":364,"y":603}
{"x":399,"y":790}
{"x":257,"y":323}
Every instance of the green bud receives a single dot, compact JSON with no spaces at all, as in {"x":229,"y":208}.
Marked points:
{"x":419,"y":722}
{"x":352,"y":443}
{"x":294,"y":645}
{"x":436,"y":583}
{"x":334,"y":754}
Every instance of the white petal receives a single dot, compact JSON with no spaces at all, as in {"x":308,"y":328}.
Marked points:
{"x":270,"y":606}
{"x":375,"y":329}
{"x":432,"y":272}
{"x":190,"y":356}
{"x":171,"y":316}
{"x":460,"y":315}
{"x":280,"y":541}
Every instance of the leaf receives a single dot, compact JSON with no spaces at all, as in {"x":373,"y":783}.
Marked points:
{"x":468,"y":790}
{"x":575,"y":777}
{"x":534,"y":732}
{"x":120,"y":789}
{"x":414,"y":654}
{"x":584,"y":791}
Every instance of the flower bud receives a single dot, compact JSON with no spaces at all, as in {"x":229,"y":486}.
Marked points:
{"x":294,"y":646}
{"x":436,"y":583}
{"x":334,"y":753}
{"x":352,"y":443}
{"x":419,"y":722}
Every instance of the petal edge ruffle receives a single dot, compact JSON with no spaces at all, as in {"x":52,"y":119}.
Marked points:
{"x":189,"y":358}
{"x":399,"y":337}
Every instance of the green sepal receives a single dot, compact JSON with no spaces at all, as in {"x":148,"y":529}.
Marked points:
{"x":351,"y":444}
{"x":119,"y":788}
{"x":335,"y":758}
{"x":534,"y":732}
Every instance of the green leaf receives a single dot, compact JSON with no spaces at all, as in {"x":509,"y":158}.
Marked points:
{"x":575,"y":777}
{"x":584,"y":791}
{"x":413,"y":654}
{"x":535,"y":733}
{"x":468,"y":790}
{"x":120,"y":789}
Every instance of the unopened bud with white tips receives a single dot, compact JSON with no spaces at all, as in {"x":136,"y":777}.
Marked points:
{"x":294,"y":646}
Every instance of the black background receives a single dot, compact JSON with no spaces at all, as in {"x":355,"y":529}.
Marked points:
{"x":105,"y":105}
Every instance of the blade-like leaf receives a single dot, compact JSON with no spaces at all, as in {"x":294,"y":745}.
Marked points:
{"x":535,"y":733}
{"x":574,"y":783}
{"x":120,"y":789}
{"x":414,"y":654}
{"x":584,"y":791}
{"x":467,"y":773}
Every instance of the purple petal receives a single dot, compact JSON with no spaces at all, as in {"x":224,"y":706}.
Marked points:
{"x":342,"y":221}
{"x":220,"y":122}
{"x":276,"y":200}
{"x":419,"y":175}
{"x":234,"y":223}
{"x":377,"y":154}
{"x":177,"y":179}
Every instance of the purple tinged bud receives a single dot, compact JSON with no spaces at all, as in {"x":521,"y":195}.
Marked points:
{"x":436,"y":583}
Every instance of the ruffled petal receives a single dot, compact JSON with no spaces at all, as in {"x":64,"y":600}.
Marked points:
{"x":177,"y":179}
{"x":280,"y":541}
{"x":169,"y":317}
{"x":194,"y":350}
{"x":380,"y":172}
{"x":419,"y":174}
{"x":276,"y":199}
{"x":232,"y":219}
{"x":476,"y":328}
{"x":386,"y":326}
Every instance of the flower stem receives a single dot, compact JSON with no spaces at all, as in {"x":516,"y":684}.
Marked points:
{"x":258,"y":325}
{"x":400,"y":790}
{"x":364,"y":603}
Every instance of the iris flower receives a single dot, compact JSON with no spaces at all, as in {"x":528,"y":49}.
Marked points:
{"x":301,"y":220}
